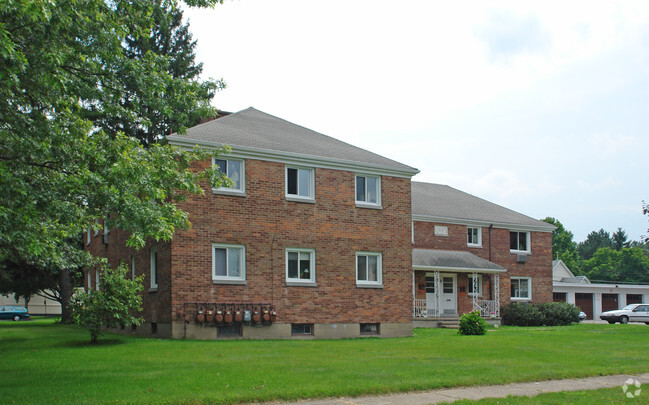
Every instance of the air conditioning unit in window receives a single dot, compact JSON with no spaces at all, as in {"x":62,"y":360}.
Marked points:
{"x":521,"y":258}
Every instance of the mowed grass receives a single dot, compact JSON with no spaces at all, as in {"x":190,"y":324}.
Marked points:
{"x":43,"y":362}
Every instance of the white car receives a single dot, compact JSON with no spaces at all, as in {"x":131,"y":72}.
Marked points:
{"x":630,"y":313}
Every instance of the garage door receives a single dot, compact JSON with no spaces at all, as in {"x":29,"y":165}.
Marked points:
{"x":633,"y":299}
{"x":609,"y":302}
{"x":585,"y":302}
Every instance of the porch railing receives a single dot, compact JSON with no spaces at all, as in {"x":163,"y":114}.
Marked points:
{"x":419,"y":308}
{"x":488,"y":308}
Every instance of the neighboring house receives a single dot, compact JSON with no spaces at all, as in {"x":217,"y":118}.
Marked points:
{"x":593,"y":299}
{"x":312,"y":240}
{"x":471,"y":254}
{"x":36,"y":305}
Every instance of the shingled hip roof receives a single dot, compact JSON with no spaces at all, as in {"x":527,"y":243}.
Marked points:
{"x":262,"y":135}
{"x":438,"y":202}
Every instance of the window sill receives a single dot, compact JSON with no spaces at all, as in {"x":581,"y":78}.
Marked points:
{"x":360,"y":204}
{"x":521,"y":299}
{"x":307,"y":200}
{"x":520,"y":252}
{"x":474,"y":246}
{"x":153,"y":289}
{"x":300,"y":284}
{"x":230,"y":282}
{"x":234,"y":193}
{"x":376,"y":286}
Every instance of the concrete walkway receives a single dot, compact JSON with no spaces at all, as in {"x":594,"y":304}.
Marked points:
{"x":489,"y":391}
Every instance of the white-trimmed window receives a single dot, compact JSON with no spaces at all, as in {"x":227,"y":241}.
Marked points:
{"x":474,"y":236}
{"x":228,"y":263}
{"x":235,"y":170}
{"x":478,"y":286}
{"x":369,"y":269}
{"x":521,"y":288}
{"x":300,"y":183}
{"x":97,"y":279}
{"x":368,"y":190}
{"x":154,"y":269}
{"x":89,"y":237}
{"x":132,"y":267}
{"x":519,"y":241}
{"x":300,"y":266}
{"x":89,"y":280}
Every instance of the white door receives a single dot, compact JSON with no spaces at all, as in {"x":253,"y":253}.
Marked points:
{"x":448,"y":298}
{"x":448,"y":294}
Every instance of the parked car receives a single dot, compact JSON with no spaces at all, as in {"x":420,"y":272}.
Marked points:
{"x":582,"y":316}
{"x":13,"y":312}
{"x":630,"y":313}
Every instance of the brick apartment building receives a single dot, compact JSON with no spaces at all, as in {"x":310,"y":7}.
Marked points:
{"x":469,"y":253}
{"x":319,"y":238}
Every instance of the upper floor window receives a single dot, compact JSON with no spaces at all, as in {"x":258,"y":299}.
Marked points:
{"x":235,"y":171}
{"x":300,"y":183}
{"x":300,"y":266}
{"x":132,"y":267}
{"x":368,"y":190}
{"x":228,"y":263}
{"x":154,"y":268}
{"x":368,"y":269}
{"x":521,"y":288}
{"x":474,"y":236}
{"x":519,"y":241}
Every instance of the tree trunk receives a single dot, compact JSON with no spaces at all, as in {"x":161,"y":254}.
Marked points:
{"x":66,"y":294}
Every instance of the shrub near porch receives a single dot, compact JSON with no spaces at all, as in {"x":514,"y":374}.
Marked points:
{"x":47,"y":363}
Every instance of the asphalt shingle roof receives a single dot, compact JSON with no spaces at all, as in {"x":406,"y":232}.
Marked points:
{"x":251,"y":128}
{"x":441,"y":201}
{"x":449,"y":259}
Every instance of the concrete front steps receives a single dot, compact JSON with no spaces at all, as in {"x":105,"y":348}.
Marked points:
{"x":448,"y":322}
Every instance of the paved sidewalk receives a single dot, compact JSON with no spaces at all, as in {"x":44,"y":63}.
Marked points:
{"x":489,"y":391}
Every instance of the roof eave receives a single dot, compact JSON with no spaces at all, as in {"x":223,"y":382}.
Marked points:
{"x":477,"y":222}
{"x":458,"y":269}
{"x":295,"y":158}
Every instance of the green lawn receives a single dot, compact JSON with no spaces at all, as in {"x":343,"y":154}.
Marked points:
{"x":601,"y":396}
{"x":42,"y":362}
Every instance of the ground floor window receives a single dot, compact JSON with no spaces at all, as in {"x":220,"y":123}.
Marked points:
{"x":478,"y":290}
{"x":370,"y":328}
{"x":229,"y":331}
{"x":559,"y":297}
{"x":521,"y":288}
{"x":298,"y":329}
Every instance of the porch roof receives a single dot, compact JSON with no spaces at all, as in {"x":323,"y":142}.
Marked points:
{"x":462,"y":262}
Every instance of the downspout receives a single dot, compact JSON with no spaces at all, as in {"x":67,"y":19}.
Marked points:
{"x":491,"y":280}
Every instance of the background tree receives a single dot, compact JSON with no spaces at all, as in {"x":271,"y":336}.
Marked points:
{"x":564,"y":247}
{"x":111,"y":306}
{"x":66,"y":71}
{"x":620,"y":239}
{"x":594,"y":241}
{"x":629,"y":265}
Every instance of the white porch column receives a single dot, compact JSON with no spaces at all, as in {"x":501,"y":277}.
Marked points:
{"x":570,"y":297}
{"x":597,"y":305}
{"x":438,"y":298}
{"x":474,"y":282}
{"x":496,"y":279}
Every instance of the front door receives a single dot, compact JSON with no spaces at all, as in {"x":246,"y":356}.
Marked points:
{"x":448,"y":299}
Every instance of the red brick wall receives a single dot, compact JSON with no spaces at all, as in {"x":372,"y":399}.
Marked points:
{"x":266,"y":223}
{"x":156,"y":305}
{"x":538,"y":265}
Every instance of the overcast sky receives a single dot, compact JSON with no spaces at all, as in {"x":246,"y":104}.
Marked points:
{"x":542,"y":108}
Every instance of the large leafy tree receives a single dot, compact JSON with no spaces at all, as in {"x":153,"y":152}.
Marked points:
{"x":77,"y":104}
{"x":563,"y":245}
{"x":594,"y":241}
{"x":630,"y":265}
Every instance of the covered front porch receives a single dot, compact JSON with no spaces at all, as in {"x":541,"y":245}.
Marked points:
{"x":449,"y":283}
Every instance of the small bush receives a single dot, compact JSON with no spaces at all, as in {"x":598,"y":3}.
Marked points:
{"x":544,"y":314}
{"x":472,"y":324}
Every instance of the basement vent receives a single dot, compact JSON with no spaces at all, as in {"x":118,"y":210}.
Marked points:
{"x":521,"y":258}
